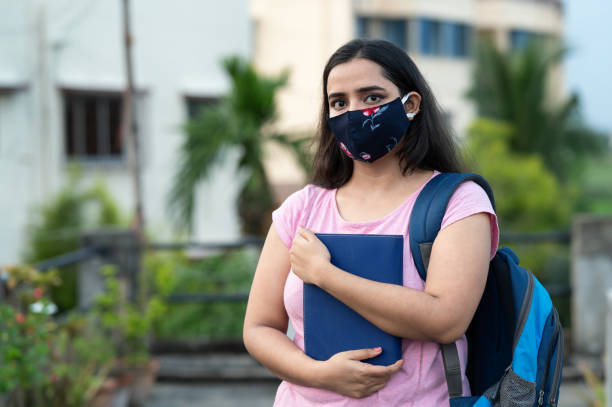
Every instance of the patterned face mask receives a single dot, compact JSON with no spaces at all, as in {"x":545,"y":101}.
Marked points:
{"x":368,"y":134}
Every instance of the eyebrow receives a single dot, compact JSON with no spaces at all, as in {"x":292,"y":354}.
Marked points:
{"x":360,"y":90}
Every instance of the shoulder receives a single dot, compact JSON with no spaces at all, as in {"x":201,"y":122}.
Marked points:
{"x":467,"y":200}
{"x":295,"y":209}
{"x":471,"y":193}
{"x":304,"y":196}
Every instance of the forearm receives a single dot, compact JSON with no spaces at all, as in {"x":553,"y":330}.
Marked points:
{"x":281,"y":356}
{"x":398,"y":310}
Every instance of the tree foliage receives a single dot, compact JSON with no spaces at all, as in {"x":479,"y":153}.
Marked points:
{"x":531,"y":197}
{"x":241,"y":119}
{"x":56,"y":228}
{"x":513,"y":86}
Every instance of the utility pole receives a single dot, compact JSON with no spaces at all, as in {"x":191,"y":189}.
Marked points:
{"x":44,"y":127}
{"x":130,"y":125}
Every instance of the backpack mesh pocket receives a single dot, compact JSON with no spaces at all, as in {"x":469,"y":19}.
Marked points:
{"x":516,"y":391}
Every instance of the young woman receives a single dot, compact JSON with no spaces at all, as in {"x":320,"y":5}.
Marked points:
{"x":381,"y":139}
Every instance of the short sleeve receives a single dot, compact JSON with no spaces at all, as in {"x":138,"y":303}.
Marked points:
{"x":470,"y":199}
{"x":287,"y":217}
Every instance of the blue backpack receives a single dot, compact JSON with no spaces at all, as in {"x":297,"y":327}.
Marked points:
{"x":515,"y":340}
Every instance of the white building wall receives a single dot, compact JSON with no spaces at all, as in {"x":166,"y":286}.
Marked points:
{"x":177,"y":51}
{"x":534,"y":16}
{"x":17,"y":165}
{"x":19,"y":153}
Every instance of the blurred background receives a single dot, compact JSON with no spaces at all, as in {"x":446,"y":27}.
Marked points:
{"x":144,"y":144}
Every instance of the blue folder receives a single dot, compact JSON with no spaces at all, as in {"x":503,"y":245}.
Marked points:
{"x":329,"y":325}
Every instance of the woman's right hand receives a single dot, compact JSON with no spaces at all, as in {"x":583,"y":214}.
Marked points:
{"x":345,"y":373}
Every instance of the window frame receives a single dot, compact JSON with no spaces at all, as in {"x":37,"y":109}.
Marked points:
{"x":107,"y":130}
{"x":377,"y":27}
{"x":201,"y":99}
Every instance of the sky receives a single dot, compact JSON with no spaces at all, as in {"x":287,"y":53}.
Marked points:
{"x":588,"y":67}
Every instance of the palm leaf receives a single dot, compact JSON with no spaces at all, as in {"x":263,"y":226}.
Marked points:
{"x":513,"y":87}
{"x":206,"y":136}
{"x":236,"y":122}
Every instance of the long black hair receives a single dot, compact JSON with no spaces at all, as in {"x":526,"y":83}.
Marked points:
{"x":429,"y":143}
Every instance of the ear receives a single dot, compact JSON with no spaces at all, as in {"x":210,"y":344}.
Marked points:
{"x":412,"y":105}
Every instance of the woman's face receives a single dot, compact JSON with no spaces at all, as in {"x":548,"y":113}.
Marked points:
{"x":358,"y":84}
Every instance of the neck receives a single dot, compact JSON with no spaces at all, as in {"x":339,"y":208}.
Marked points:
{"x":384,"y":173}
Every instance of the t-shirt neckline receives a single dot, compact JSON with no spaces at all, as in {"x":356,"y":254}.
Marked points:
{"x":398,"y":208}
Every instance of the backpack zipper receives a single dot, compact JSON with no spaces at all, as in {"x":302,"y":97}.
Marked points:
{"x":525,"y":308}
{"x":558,"y":368}
{"x":550,"y":351}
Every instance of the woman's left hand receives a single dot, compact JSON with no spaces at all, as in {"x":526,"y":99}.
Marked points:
{"x":308,"y":256}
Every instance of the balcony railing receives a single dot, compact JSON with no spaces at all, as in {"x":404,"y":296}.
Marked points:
{"x":556,"y":3}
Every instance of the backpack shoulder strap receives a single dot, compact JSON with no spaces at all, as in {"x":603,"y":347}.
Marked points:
{"x":425,"y":222}
{"x":428,"y":212}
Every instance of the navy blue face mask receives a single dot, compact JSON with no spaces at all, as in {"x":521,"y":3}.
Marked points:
{"x":368,"y":134}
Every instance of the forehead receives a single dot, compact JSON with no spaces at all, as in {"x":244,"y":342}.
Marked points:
{"x":356,"y":73}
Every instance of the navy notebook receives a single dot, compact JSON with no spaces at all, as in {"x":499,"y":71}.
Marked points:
{"x":329,"y":325}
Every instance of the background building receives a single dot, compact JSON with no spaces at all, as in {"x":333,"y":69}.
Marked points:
{"x":62,"y":76}
{"x":439,"y":35}
{"x":61,"y":79}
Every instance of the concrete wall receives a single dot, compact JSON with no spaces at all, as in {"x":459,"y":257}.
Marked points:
{"x":591,"y":278}
{"x":17,"y":166}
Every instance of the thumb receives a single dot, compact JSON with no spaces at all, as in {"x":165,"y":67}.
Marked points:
{"x":307,"y":234}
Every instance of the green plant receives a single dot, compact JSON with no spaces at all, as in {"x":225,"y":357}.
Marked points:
{"x":597,"y":189}
{"x":24,"y":356}
{"x":529,"y":197}
{"x":45,"y":362}
{"x":77,"y":373}
{"x":241,"y":119}
{"x":225,"y":273}
{"x":597,"y":394}
{"x":130,"y":324}
{"x":514,"y":87}
{"x":58,"y":225}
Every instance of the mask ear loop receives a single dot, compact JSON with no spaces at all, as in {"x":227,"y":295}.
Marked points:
{"x":404,"y":99}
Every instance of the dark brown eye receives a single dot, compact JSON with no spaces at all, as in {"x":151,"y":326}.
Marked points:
{"x":338,"y":104}
{"x":373,"y":98}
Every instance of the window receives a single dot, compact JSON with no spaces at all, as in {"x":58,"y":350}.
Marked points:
{"x":392,"y":30}
{"x":362,"y":27}
{"x":444,"y":38}
{"x":195,"y":105}
{"x":519,"y":39}
{"x":455,"y":39}
{"x":395,"y":31}
{"x":430,"y":37}
{"x":92,"y":123}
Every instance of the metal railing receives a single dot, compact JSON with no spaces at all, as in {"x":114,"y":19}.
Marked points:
{"x":101,"y":251}
{"x":68,"y":259}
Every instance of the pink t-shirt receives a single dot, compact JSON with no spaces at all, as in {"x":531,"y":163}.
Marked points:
{"x":421,"y":381}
